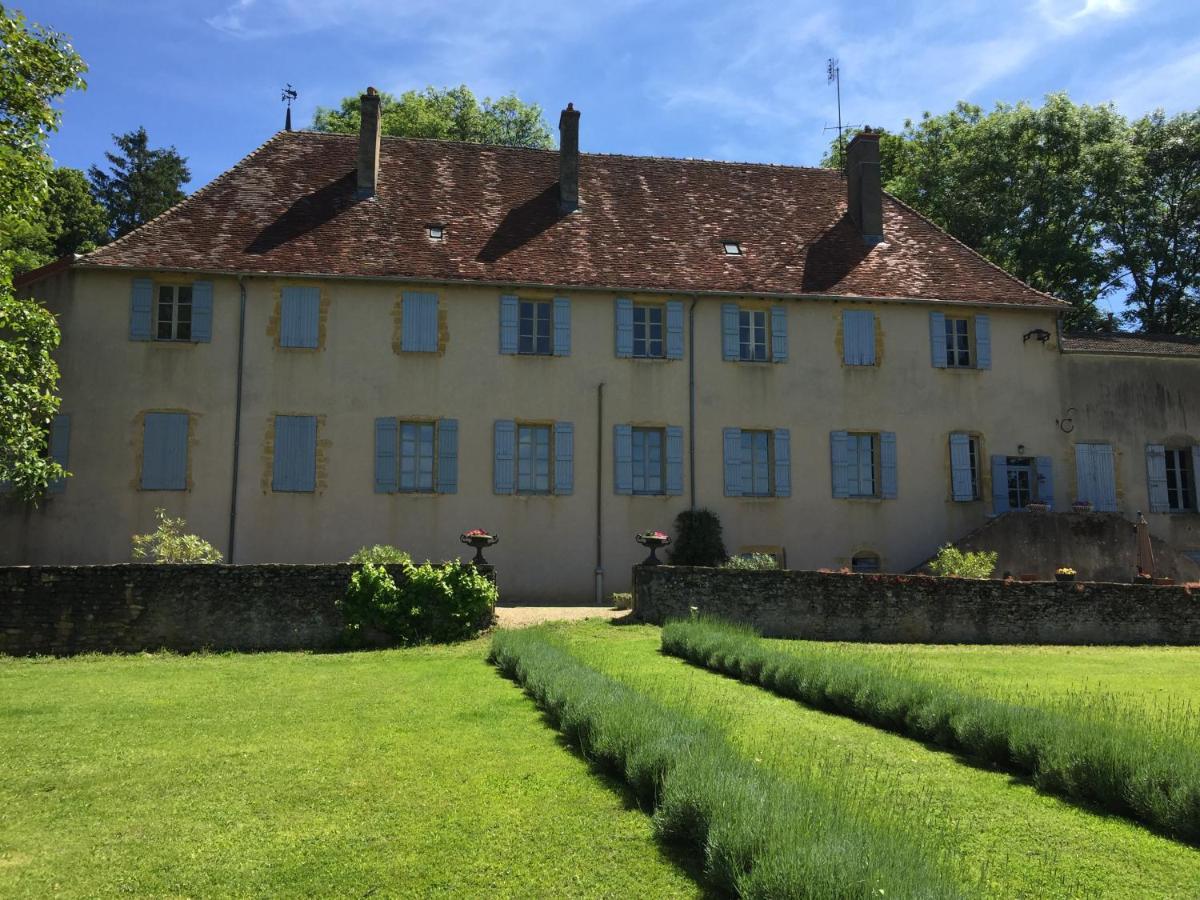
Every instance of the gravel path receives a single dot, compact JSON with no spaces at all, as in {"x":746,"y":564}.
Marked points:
{"x":520,"y":616}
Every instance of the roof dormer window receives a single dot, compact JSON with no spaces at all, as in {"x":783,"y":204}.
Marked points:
{"x":732,"y":248}
{"x":436,"y":232}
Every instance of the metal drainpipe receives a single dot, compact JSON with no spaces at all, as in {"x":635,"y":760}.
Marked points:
{"x":691,"y":352}
{"x":237,"y":417}
{"x":599,"y":494}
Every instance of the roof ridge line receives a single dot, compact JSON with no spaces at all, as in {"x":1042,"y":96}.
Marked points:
{"x":199,"y":192}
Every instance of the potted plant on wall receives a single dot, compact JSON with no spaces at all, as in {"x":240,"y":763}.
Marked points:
{"x":653,"y":540}
{"x":478,"y":539}
{"x":1064,"y":573}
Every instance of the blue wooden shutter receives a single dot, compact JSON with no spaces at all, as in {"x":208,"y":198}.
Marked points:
{"x":386,"y":469}
{"x":674,"y":329}
{"x":674,"y":460}
{"x":779,"y":334}
{"x":60,"y":450}
{"x":562,"y":326}
{"x":564,"y":457}
{"x":295,"y":464}
{"x":1195,"y":477}
{"x":510,"y":325}
{"x":960,"y":467}
{"x":164,"y":452}
{"x":503,"y":472}
{"x":858,"y":337}
{"x":420,"y":323}
{"x":447,"y":450}
{"x":839,"y":461}
{"x":1000,"y":485}
{"x":937,"y":339}
{"x":983,"y":342}
{"x":299,"y":314}
{"x":141,"y":310}
{"x":1156,"y":470}
{"x":887,"y":464}
{"x":1044,"y":472}
{"x":624,"y":327}
{"x":730,"y":343}
{"x":783,"y":463}
{"x":1106,"y":477}
{"x":202,"y":311}
{"x":622,"y":459}
{"x":733,"y":461}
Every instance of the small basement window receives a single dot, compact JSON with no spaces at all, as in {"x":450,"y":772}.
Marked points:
{"x":436,"y":232}
{"x":732,"y":248}
{"x":864,"y":562}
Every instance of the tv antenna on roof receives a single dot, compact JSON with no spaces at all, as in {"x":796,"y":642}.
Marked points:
{"x":833,"y":73}
{"x":289,"y":94}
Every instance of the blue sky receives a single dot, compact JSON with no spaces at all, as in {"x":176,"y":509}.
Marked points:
{"x":726,"y":80}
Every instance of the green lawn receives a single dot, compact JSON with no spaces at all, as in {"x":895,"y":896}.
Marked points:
{"x":1018,"y":841}
{"x":413,"y":772}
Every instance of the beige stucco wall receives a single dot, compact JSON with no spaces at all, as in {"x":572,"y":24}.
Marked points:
{"x":1129,"y":402}
{"x":548,"y":544}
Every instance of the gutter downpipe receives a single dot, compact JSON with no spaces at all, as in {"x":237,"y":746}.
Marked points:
{"x":237,"y":417}
{"x":692,"y":402}
{"x":599,"y":493}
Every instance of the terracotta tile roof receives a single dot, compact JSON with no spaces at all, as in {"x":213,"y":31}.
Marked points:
{"x":646,"y":223}
{"x":1138,"y":344}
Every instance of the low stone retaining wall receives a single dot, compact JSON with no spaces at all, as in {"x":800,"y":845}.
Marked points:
{"x":64,"y":610}
{"x":921,"y":609}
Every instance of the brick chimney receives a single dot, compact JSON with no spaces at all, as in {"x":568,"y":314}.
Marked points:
{"x":368,"y":143}
{"x":864,"y":187}
{"x":568,"y":159}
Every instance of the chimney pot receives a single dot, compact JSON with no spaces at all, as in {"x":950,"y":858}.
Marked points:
{"x":864,"y":188}
{"x":568,"y":159}
{"x":368,"y":143}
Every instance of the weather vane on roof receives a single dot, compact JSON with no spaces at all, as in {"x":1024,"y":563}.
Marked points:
{"x":289,"y":94}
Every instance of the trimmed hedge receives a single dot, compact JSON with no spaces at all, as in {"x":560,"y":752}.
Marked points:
{"x":1145,"y":770}
{"x":761,"y":835}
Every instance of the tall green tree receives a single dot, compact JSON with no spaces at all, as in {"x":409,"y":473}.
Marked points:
{"x":1153,"y":228}
{"x":68,"y":220}
{"x":452,"y":114}
{"x":140,"y":183}
{"x":37,"y":65}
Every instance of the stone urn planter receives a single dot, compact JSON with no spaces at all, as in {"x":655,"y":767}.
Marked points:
{"x":478,"y":538}
{"x":653,"y":540}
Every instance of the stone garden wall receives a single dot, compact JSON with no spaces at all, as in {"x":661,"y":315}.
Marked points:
{"x":921,"y":609}
{"x":63,"y":610}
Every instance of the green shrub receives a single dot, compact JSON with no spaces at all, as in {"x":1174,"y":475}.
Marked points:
{"x":1085,"y":750}
{"x":761,"y":835}
{"x":698,"y":539}
{"x":168,"y":543}
{"x":953,"y":562}
{"x":621,"y":601}
{"x":451,"y":602}
{"x":380,"y":554}
{"x":752,"y":561}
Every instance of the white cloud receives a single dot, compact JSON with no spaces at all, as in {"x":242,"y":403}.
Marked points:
{"x":1068,"y":15}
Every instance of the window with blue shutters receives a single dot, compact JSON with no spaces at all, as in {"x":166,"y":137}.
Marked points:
{"x":757,"y":463}
{"x":1018,"y":481}
{"x":648,"y":340}
{"x":164,"y":451}
{"x":754,"y":335}
{"x":964,"y":466}
{"x":171,"y":312}
{"x":1172,"y":472}
{"x":419,"y":328}
{"x":299,"y":317}
{"x":648,"y":460}
{"x":534,"y":328}
{"x":960,"y":341}
{"x":294,"y":466}
{"x":534,"y":458}
{"x":864,"y":464}
{"x":416,"y":456}
{"x":858,"y":337}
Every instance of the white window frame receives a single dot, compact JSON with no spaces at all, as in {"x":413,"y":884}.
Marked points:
{"x":174,"y":305}
{"x":645,"y":327}
{"x":412,"y":462}
{"x":854,"y":452}
{"x":1181,"y":497}
{"x":749,"y":330}
{"x":750,"y":481}
{"x":537,"y":307}
{"x":959,"y":342}
{"x":642,"y":459}
{"x":526,"y":459}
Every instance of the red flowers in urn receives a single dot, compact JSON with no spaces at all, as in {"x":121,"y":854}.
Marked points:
{"x":653,"y":540}
{"x":478,"y":538}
